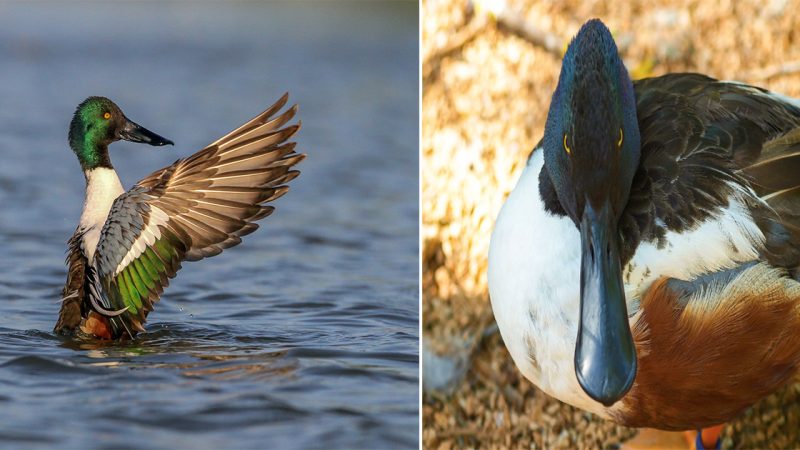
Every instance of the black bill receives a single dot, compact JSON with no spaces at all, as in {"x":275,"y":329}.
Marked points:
{"x":136,"y":133}
{"x":605,"y":356}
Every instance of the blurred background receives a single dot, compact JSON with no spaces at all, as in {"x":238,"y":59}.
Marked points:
{"x":305,"y":334}
{"x":489,"y":69}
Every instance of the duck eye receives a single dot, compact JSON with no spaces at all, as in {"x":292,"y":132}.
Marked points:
{"x":619,"y":144}
{"x":107,"y":115}
{"x":566,"y":147}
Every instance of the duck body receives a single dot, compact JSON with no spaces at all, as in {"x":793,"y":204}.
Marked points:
{"x":708,"y":243}
{"x":128,"y":244}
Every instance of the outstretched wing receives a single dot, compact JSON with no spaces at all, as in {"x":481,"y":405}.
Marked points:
{"x":190,"y":210}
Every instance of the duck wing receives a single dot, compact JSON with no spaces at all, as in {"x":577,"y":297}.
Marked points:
{"x":775,"y":178}
{"x":190,"y":210}
{"x":701,"y":140}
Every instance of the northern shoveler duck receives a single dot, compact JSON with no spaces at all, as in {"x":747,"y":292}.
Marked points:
{"x":129,"y":244}
{"x":645,"y":267}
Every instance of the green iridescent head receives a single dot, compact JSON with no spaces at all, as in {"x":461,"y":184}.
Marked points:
{"x":97,"y":123}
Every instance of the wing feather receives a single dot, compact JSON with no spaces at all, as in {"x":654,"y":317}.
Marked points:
{"x":254,"y":122}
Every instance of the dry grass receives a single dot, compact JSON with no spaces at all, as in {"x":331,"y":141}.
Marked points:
{"x":485,"y":97}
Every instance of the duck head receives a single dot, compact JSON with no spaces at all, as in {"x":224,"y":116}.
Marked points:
{"x":591,"y":152}
{"x":97,"y":122}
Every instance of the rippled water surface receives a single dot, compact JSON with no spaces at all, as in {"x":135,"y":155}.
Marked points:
{"x":305,"y":335}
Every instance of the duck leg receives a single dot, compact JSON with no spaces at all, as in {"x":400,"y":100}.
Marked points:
{"x":705,"y":438}
{"x":97,"y":326}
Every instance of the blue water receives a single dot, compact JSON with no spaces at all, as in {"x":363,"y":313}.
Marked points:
{"x":306,"y":335}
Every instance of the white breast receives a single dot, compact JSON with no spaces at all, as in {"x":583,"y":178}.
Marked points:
{"x":102,"y":188}
{"x":534,"y":278}
{"x":534,"y":275}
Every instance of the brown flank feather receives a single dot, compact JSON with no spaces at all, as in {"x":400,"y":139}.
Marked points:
{"x":704,"y":359}
{"x":73,"y":294}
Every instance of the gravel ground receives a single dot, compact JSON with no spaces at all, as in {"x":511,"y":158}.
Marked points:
{"x":489,"y":70}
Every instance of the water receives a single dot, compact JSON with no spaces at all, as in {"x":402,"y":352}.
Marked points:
{"x":304,"y":336}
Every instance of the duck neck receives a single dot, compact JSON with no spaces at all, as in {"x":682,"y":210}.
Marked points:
{"x":89,"y":145}
{"x":92,"y":156}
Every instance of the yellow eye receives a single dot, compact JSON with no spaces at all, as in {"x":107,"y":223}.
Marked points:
{"x":107,"y":115}
{"x":566,"y":147}
{"x":619,"y":144}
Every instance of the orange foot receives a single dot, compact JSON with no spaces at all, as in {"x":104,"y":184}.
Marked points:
{"x":710,"y":437}
{"x":652,"y":439}
{"x":96,"y":325}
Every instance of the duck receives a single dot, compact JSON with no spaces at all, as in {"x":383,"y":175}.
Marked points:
{"x":646,"y":266}
{"x":129,"y":244}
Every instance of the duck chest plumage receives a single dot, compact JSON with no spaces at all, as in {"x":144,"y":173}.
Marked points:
{"x":645,"y":266}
